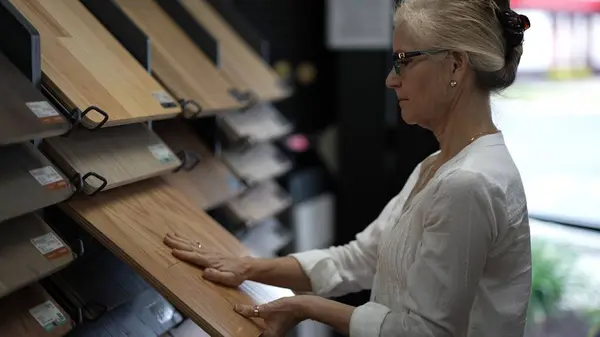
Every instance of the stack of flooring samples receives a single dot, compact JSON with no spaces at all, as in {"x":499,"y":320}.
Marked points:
{"x":177,"y":61}
{"x":31,"y":312}
{"x":84,"y":65}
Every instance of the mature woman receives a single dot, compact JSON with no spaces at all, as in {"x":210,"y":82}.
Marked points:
{"x":450,"y":254}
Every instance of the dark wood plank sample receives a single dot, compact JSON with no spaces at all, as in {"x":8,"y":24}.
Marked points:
{"x":257,"y":162}
{"x":242,"y":65}
{"x":24,"y":112}
{"x":177,"y":62}
{"x":121,"y":154}
{"x":28,"y":181}
{"x":259,"y":203}
{"x":132,"y":221}
{"x":31,"y":312}
{"x":84,"y":65}
{"x":29,"y":251}
{"x":210,"y":182}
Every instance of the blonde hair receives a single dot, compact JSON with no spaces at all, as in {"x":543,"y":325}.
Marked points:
{"x":470,"y":26}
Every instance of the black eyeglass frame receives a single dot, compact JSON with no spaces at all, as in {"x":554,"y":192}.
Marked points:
{"x":398,"y":57}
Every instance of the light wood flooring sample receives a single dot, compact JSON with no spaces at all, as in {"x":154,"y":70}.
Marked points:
{"x":29,"y":251}
{"x":176,"y":61}
{"x":260,"y":123}
{"x":208,"y":183}
{"x":28,"y":181}
{"x":259,"y":203}
{"x":84,"y":65}
{"x":24,"y":112}
{"x":122,"y":154}
{"x":258,"y":162}
{"x":133,"y":220}
{"x":243,"y":66}
{"x":31,"y":312}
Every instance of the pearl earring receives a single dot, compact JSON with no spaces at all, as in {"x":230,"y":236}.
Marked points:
{"x":453,"y":83}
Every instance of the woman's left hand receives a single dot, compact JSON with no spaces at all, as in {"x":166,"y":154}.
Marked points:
{"x":280,"y":316}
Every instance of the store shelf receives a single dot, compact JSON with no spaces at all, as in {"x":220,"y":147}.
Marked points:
{"x":111,"y":157}
{"x":24,"y":112}
{"x":239,"y":61}
{"x":259,"y":203}
{"x":28,"y":181}
{"x":179,"y":63}
{"x":113,"y":217}
{"x":30,"y":250}
{"x":203,"y":178}
{"x":85,"y":66}
{"x":260,"y":123}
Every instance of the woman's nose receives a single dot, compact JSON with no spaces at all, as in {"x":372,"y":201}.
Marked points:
{"x":392,"y":80}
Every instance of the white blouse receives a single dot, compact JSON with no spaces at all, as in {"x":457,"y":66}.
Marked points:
{"x":455,"y":262}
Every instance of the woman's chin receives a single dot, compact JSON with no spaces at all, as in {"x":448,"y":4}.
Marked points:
{"x":407,"y":117}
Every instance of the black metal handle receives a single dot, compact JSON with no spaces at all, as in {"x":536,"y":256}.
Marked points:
{"x":80,"y":182}
{"x":189,"y":160}
{"x":93,"y":310}
{"x":98,"y":110}
{"x":190,"y":102}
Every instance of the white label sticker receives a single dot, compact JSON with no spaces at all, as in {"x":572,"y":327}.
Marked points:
{"x":42,"y":109}
{"x":164,"y":99}
{"x":47,"y":243}
{"x":162,"y":153}
{"x":46,"y":175}
{"x":48,"y":315}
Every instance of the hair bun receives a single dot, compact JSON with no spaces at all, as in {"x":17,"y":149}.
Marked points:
{"x":513,"y":26}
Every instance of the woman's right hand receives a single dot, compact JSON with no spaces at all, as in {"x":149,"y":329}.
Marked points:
{"x":226,"y":270}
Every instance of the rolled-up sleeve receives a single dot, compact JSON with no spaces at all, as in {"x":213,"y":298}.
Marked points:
{"x":349,"y":268}
{"x":449,"y":262}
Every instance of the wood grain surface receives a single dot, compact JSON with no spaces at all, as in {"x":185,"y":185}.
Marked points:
{"x":259,"y":123}
{"x":20,"y":190}
{"x":210,"y":182}
{"x":16,"y":319}
{"x":257,"y":162}
{"x":24,"y":112}
{"x":244,"y":67}
{"x":177,"y":62}
{"x":121,"y":154}
{"x":84,"y":65}
{"x":259,"y":203}
{"x":21,"y":261}
{"x":133,"y":220}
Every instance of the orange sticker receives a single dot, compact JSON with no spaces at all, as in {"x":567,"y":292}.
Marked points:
{"x":51,"y":120}
{"x":60,"y":252}
{"x":49,"y":178}
{"x":50,"y":246}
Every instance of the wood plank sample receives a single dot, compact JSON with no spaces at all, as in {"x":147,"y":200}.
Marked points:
{"x":259,"y":203}
{"x":257,"y":163}
{"x":24,"y":112}
{"x":31,"y":312}
{"x":28,"y":181}
{"x":84,"y":65}
{"x":132,"y":222}
{"x":122,"y":154}
{"x":242,"y":65}
{"x":177,"y":62}
{"x":210,"y":182}
{"x":260,"y":123}
{"x":29,"y":251}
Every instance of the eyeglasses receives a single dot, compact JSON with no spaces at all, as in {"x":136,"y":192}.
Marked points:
{"x":400,"y":59}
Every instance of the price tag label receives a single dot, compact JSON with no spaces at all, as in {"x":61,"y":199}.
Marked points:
{"x":162,"y":153}
{"x":164,"y":99}
{"x":48,"y":177}
{"x":48,"y":315}
{"x":50,"y":246}
{"x":45,"y":112}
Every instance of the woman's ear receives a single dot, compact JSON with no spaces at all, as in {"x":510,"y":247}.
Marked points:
{"x":459,"y":63}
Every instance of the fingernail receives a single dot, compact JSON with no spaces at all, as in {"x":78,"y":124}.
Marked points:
{"x":236,"y":308}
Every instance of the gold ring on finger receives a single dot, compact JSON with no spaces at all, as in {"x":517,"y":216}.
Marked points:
{"x":198,"y":244}
{"x":256,"y":311}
